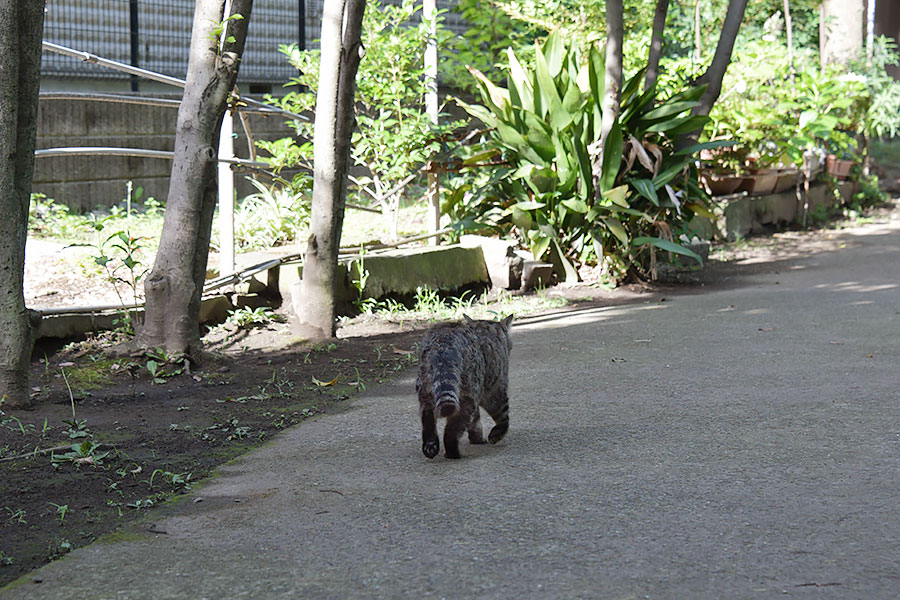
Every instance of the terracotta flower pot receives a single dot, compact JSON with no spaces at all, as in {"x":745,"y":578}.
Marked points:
{"x":761,"y":182}
{"x":787,"y":179}
{"x":721,"y":185}
{"x":837,"y":167}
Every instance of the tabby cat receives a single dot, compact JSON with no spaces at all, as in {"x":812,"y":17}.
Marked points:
{"x":463,"y":366}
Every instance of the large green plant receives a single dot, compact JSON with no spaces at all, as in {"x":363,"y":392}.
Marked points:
{"x":545,"y":127}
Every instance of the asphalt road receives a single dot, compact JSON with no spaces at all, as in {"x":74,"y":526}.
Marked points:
{"x":739,"y":441}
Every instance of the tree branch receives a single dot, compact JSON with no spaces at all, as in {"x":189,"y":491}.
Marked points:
{"x":659,"y":24}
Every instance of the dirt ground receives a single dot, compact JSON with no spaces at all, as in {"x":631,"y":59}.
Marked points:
{"x":106,"y":441}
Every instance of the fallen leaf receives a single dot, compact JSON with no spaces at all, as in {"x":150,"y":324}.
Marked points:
{"x":870,"y":355}
{"x":196,"y":378}
{"x":765,"y":329}
{"x":66,"y":364}
{"x":641,"y":341}
{"x":137,"y":470}
{"x":401,"y":351}
{"x":836,"y":343}
{"x":324,"y":383}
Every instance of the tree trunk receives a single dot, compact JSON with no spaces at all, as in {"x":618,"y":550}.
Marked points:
{"x":659,"y":24}
{"x":612,"y":94}
{"x":714,"y":74}
{"x":175,"y":284}
{"x":341,"y":53}
{"x":789,"y":30}
{"x":21,"y":28}
{"x":842,"y":25}
{"x":722,"y":58}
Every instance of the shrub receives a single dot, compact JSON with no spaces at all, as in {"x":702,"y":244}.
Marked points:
{"x":545,"y":127}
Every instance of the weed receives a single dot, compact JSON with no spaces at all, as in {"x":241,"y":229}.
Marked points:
{"x":77,"y":428}
{"x":61,"y":511}
{"x":161,"y":366}
{"x":362,"y":304}
{"x":5,"y":559}
{"x":16,"y":516}
{"x":176,"y":480}
{"x":85,"y":453}
{"x":56,"y":550}
{"x":247,"y":318}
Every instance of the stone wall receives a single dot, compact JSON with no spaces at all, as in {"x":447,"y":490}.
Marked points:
{"x":87,"y":182}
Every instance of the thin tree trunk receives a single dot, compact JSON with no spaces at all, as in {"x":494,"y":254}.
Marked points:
{"x":789,"y":29}
{"x":21,"y":27}
{"x":613,"y":91}
{"x":722,"y":58}
{"x":341,"y":52}
{"x":659,"y":24}
{"x":175,"y":284}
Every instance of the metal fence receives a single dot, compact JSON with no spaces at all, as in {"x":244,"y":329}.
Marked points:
{"x":155,"y":35}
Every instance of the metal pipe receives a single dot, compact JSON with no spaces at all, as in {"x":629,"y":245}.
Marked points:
{"x":112,"y":64}
{"x":139,"y":152}
{"x":261,"y":107}
{"x":166,"y":102}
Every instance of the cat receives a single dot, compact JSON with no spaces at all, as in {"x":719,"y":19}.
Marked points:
{"x":463,"y":366}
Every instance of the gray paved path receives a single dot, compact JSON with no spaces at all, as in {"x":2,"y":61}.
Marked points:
{"x":734,"y":443}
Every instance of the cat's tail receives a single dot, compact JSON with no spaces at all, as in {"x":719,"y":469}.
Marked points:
{"x":446,"y":403}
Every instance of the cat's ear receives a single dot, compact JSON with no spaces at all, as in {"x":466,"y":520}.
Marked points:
{"x":507,"y":321}
{"x":468,"y":319}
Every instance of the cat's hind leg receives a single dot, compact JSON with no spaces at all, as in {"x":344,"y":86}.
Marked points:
{"x":499,"y":411}
{"x":476,"y":434}
{"x":430,"y":444}
{"x":453,"y":430}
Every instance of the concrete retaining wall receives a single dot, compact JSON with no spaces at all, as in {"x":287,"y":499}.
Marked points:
{"x":750,"y":215}
{"x":86,"y":182}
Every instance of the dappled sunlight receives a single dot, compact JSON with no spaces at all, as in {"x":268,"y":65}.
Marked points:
{"x":580,"y":317}
{"x":858,"y":287}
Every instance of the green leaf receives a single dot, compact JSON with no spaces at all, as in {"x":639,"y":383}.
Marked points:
{"x":575,"y":205}
{"x":521,"y":83}
{"x":553,"y":52}
{"x":694,"y":123}
{"x":540,"y":241}
{"x":542,"y":180}
{"x":693,"y":149}
{"x":615,"y":227}
{"x":699,"y":209}
{"x":479,"y":112}
{"x":646,"y":189}
{"x":617,"y":195}
{"x":669,"y":173}
{"x":545,"y":87}
{"x":531,"y":205}
{"x":597,"y":74}
{"x":667,"y":110}
{"x":479,"y":157}
{"x":612,"y":158}
{"x":667,"y":245}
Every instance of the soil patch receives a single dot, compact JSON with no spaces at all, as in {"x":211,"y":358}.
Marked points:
{"x":136,"y":441}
